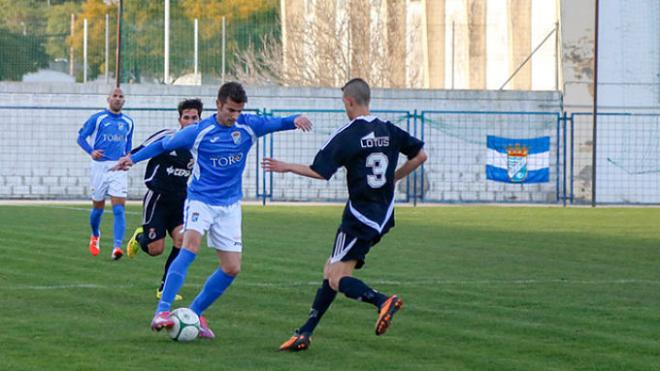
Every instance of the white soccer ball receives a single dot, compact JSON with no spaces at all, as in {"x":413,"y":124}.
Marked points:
{"x":186,"y":325}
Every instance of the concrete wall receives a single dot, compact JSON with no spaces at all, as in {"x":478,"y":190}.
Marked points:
{"x":40,"y":159}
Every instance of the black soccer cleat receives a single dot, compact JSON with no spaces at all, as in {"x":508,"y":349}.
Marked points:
{"x":386,"y":312}
{"x":297,"y":342}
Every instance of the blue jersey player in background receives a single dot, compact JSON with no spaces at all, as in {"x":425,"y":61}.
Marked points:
{"x":369,"y":150}
{"x":219,"y":145}
{"x":106,"y":137}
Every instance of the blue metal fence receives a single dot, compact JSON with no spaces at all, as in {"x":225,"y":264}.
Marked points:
{"x":40,"y":159}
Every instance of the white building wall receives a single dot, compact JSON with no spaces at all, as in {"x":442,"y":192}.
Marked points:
{"x":629,"y":54}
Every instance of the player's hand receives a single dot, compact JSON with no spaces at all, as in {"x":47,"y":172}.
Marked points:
{"x":301,"y":122}
{"x":97,"y":154}
{"x":123,"y":163}
{"x":273,"y":165}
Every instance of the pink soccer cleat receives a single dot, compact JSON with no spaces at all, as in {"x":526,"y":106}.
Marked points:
{"x":161,"y":320}
{"x":204,"y":330}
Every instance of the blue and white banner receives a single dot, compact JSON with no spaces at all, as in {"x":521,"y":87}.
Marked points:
{"x":518,"y":160}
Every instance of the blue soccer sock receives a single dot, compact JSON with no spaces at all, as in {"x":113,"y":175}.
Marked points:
{"x":175,"y":277}
{"x":213,"y":288}
{"x":120,"y":224}
{"x":353,"y":288}
{"x":95,"y":220}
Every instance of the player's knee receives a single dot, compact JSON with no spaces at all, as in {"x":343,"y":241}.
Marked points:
{"x":334,"y":282}
{"x":178,"y":240}
{"x":156,"y":248}
{"x":232,"y":270}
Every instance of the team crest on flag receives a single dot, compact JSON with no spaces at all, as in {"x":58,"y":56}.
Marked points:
{"x":195,"y":217}
{"x":517,"y":163}
{"x":518,"y":160}
{"x":236,"y":136}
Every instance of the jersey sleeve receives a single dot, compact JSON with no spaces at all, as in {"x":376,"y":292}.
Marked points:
{"x":129,"y":139}
{"x":86,"y":131}
{"x":329,"y":158}
{"x":183,"y":139}
{"x":410,"y":146}
{"x":262,"y":125}
{"x":159,"y":135}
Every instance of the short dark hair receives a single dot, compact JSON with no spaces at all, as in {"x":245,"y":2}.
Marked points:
{"x":195,"y":103}
{"x":232,"y":90}
{"x":359,"y":90}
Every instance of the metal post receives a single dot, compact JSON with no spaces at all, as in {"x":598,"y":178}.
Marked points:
{"x":595,"y":111}
{"x":196,"y":45}
{"x":453,"y":51}
{"x":73,"y":22}
{"x":85,"y":50}
{"x":118,"y":51}
{"x":224,"y":25}
{"x":557,"y":56}
{"x":107,"y":47}
{"x":166,"y":54}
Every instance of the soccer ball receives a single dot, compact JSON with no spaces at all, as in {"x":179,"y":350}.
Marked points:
{"x":186,"y":325}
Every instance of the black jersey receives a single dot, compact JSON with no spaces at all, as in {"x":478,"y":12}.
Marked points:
{"x":168,"y":172}
{"x":369,"y":150}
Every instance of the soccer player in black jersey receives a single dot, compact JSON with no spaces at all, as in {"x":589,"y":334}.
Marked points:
{"x":166,"y":178}
{"x":369,"y":150}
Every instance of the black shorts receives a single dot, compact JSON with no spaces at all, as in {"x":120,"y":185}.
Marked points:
{"x":349,"y":247}
{"x":160,"y":214}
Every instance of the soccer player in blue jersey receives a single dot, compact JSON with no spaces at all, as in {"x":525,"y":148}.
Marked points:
{"x":369,"y":150}
{"x":219,"y":145}
{"x":107,"y":136}
{"x":166,"y":178}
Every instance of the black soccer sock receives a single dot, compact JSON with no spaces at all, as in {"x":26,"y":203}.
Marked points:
{"x":324,"y":297}
{"x":173,"y":254}
{"x":355,"y":289}
{"x":144,"y":243}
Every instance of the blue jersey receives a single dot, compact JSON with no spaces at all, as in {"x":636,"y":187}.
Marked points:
{"x":219,"y":152}
{"x":369,"y":149}
{"x":110,"y":132}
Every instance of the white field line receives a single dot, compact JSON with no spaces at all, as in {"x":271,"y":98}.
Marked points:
{"x":377,"y":282}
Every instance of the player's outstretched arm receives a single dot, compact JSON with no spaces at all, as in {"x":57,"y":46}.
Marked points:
{"x":262,"y":125}
{"x":276,"y":166}
{"x":410,"y":165}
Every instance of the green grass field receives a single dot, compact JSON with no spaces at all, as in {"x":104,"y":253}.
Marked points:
{"x":511,"y":288}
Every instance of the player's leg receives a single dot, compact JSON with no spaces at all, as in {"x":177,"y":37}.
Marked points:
{"x":177,"y":239}
{"x":95,"y":217}
{"x":118,"y":190}
{"x":301,"y":338}
{"x":225,"y":237}
{"x":325,"y":295}
{"x":197,"y":219}
{"x":349,"y":254}
{"x":119,"y":212}
{"x":174,"y":223}
{"x":99,"y":189}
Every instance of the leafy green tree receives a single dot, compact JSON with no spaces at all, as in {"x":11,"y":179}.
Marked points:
{"x":20,"y":54}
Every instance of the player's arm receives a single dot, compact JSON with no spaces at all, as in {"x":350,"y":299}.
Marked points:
{"x":182,"y":139}
{"x":129,"y":139}
{"x":84,"y":133}
{"x":410,"y":165}
{"x":413,"y":148}
{"x":262,"y":125}
{"x":276,"y":166}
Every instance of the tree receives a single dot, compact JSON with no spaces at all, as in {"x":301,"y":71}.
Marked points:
{"x":330,"y":48}
{"x":20,"y":54}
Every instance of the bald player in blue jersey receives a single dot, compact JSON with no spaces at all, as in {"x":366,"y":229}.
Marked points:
{"x":107,"y":136}
{"x":219,"y":145}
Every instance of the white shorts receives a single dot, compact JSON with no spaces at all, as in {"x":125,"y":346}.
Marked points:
{"x":105,"y":182}
{"x":222,"y":222}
